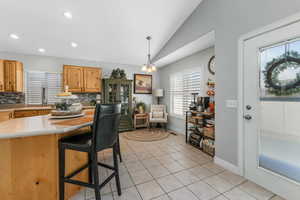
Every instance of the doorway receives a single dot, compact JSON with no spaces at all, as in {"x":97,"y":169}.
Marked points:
{"x":271,"y":107}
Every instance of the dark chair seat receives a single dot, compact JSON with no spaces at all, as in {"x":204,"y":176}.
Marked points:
{"x":80,"y":142}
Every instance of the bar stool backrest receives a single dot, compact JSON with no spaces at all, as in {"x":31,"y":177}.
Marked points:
{"x":106,"y":125}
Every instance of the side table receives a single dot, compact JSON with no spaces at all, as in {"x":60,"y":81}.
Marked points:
{"x":141,"y":120}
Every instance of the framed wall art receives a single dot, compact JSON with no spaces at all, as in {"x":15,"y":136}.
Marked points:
{"x":142,"y":84}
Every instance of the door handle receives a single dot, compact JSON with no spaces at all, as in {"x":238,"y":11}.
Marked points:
{"x":247,"y":117}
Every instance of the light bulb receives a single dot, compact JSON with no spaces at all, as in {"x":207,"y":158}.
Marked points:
{"x":153,"y":68}
{"x":68,"y":15}
{"x":144,"y":68}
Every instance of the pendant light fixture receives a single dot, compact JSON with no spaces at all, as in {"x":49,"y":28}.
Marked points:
{"x":149,"y":67}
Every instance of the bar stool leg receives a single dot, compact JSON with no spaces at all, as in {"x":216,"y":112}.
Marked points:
{"x":90,"y":168}
{"x":116,"y":166}
{"x":96,"y":175}
{"x":61,"y":173}
{"x":119,"y":149}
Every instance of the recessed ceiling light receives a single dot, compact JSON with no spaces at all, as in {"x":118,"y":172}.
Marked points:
{"x":14,"y":36}
{"x":41,"y":50}
{"x":74,"y":44}
{"x":68,"y":15}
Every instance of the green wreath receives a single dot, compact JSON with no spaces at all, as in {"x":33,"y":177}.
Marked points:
{"x":275,"y":67}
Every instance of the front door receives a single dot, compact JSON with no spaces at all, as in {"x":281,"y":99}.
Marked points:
{"x":272,"y":110}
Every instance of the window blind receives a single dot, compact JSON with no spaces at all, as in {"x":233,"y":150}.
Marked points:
{"x":182,"y":85}
{"x":36,"y":81}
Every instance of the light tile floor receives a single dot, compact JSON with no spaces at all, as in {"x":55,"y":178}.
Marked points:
{"x":172,"y":170}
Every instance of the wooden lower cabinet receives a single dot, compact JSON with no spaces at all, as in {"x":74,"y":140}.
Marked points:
{"x":6,"y":115}
{"x":31,"y":113}
{"x":29,"y":168}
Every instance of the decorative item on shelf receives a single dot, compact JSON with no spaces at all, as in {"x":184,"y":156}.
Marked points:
{"x":141,"y":107}
{"x":149,"y":67}
{"x":118,"y":74}
{"x":209,"y":146}
{"x":142,"y":84}
{"x":211,"y":88}
{"x":193,"y":105}
{"x":158,"y":93}
{"x":211,"y":65}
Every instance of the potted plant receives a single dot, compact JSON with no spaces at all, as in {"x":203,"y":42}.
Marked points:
{"x":141,"y":107}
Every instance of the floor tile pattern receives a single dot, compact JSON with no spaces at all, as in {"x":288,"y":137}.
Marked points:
{"x":172,"y":170}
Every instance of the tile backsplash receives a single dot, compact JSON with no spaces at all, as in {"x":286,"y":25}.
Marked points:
{"x":86,"y":98}
{"x":12,"y":98}
{"x":19,"y":98}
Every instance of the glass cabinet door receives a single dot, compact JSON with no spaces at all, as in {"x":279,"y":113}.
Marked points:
{"x":124,"y":98}
{"x":112,"y":93}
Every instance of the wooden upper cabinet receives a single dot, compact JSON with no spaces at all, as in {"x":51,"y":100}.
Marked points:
{"x":13,"y":76}
{"x":92,"y":79}
{"x":82,"y":79}
{"x":73,"y":77}
{"x":1,"y":75}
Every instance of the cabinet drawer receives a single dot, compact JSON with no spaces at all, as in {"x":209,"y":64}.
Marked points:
{"x":31,"y":113}
{"x":44,"y":112}
{"x":6,"y":115}
{"x":25,"y":113}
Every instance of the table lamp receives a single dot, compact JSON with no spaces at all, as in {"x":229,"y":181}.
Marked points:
{"x":158,"y":93}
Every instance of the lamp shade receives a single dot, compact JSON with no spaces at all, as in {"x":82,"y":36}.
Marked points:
{"x":158,"y":92}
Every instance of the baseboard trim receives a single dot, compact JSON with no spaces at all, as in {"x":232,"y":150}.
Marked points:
{"x":227,"y":165}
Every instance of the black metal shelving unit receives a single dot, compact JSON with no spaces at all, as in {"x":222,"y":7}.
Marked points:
{"x":195,"y":126}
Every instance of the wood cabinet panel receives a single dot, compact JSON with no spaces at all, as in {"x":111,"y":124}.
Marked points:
{"x":19,"y":77}
{"x":82,"y":79}
{"x":30,"y":113}
{"x":6,"y":115}
{"x":29,"y":170}
{"x":73,"y":77}
{"x":9,"y":75}
{"x":12,"y":76}
{"x":1,"y":75}
{"x":92,"y":79}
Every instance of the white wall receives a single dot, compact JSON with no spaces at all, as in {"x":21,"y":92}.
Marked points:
{"x":55,"y":64}
{"x":198,"y":61}
{"x":229,"y":19}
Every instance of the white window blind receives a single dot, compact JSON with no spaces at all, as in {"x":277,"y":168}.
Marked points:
{"x":182,"y":85}
{"x":36,"y":81}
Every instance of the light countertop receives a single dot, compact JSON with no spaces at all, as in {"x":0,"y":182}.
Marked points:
{"x":34,"y":126}
{"x":20,"y":107}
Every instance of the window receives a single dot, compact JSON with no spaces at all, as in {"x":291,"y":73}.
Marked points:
{"x":182,"y":85}
{"x":36,"y":82}
{"x":280,"y":71}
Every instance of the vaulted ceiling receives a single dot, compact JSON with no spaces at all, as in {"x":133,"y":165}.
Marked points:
{"x":105,"y":30}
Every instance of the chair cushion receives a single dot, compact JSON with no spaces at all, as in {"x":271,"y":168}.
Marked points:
{"x":77,"y":142}
{"x":158,"y":120}
{"x":158,"y":115}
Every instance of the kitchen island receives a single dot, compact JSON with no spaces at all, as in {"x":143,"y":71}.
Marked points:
{"x":29,"y":157}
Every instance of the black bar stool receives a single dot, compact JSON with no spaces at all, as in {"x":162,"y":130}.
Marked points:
{"x":104,"y":135}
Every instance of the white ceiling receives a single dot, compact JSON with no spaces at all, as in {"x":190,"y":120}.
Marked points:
{"x":110,"y":31}
{"x":203,"y":42}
